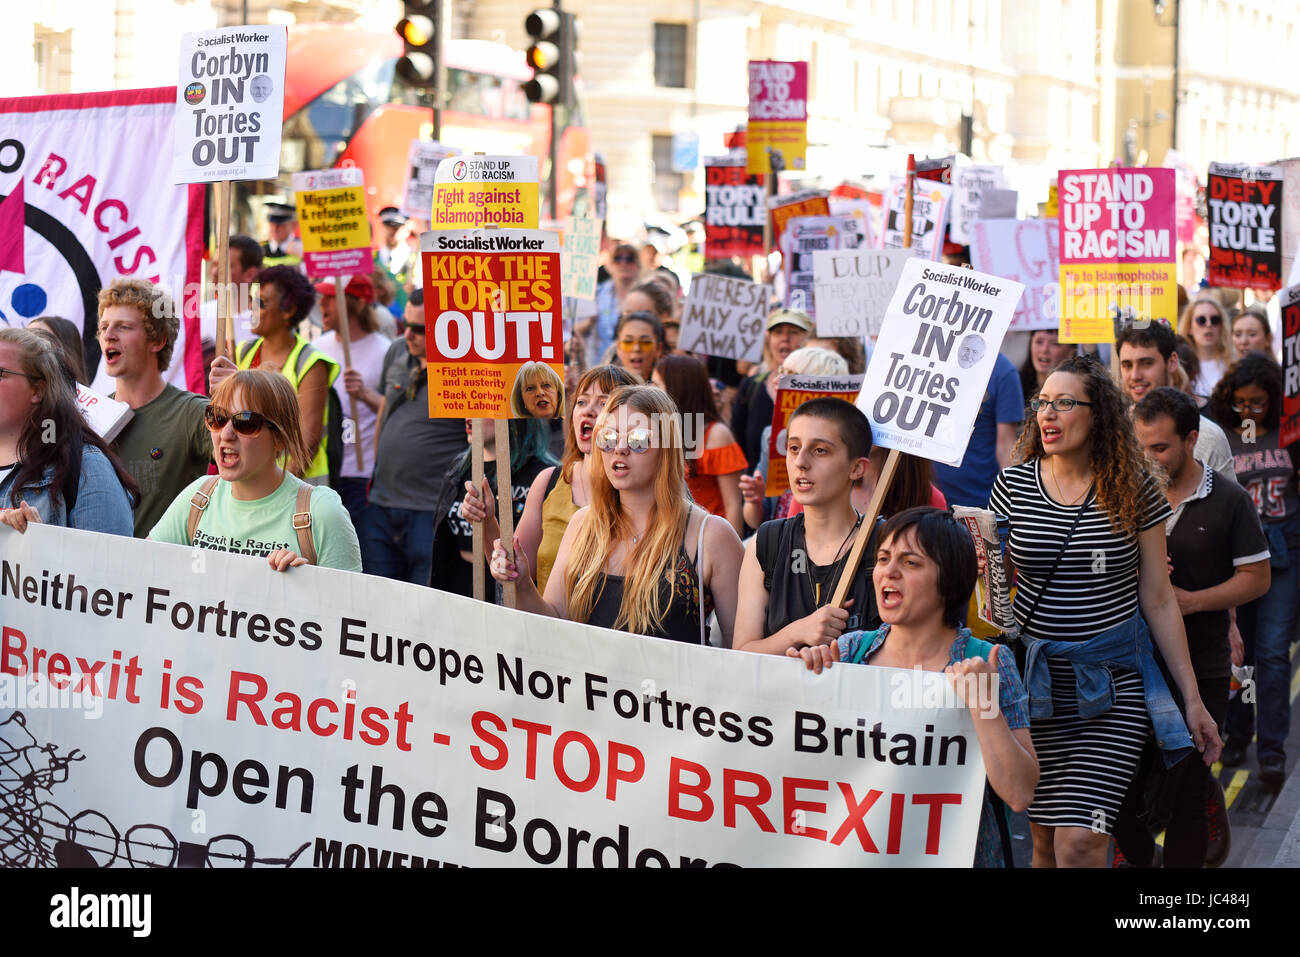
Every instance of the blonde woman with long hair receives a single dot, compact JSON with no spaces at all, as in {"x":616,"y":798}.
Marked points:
{"x":641,"y":557}
{"x":1205,"y":325}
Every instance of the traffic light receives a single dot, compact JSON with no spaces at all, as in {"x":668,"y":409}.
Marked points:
{"x":419,"y":33}
{"x":552,"y":56}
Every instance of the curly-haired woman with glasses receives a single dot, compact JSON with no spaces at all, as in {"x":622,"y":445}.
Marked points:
{"x":1247,"y":402}
{"x":1088,"y":545}
{"x":255,"y":505}
{"x":641,"y":557}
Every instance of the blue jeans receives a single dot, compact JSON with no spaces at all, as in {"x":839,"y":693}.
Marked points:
{"x":354,"y":492}
{"x":1276,"y":614}
{"x":396,"y":543}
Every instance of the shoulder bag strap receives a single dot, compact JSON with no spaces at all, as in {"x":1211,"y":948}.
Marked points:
{"x":1087,"y":500}
{"x":202,"y":496}
{"x":302,"y":524}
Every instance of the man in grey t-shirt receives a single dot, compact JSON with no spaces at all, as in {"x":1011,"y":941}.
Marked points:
{"x":412,"y":456}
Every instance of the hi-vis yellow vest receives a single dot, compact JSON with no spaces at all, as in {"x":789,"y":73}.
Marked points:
{"x":302,"y":358}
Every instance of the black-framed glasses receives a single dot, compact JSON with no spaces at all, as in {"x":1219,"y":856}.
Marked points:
{"x":416,"y":327}
{"x":27,"y":376}
{"x":1255,"y":408}
{"x":638,"y":440}
{"x":625,"y":258}
{"x":246,"y":423}
{"x":1062,"y":403}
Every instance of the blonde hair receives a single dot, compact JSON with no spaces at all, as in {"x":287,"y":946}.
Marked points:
{"x":1223,"y":348}
{"x":528,"y":373}
{"x":271,"y":394}
{"x":652,"y":559}
{"x":813,"y":360}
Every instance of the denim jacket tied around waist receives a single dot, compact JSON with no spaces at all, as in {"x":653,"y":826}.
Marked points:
{"x":1126,"y":645}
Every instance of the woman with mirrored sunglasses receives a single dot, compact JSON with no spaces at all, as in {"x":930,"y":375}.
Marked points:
{"x":639,"y":341}
{"x":1088,"y":546}
{"x":54,"y":469}
{"x":1247,"y":402}
{"x":256,"y":505}
{"x":641,"y":557}
{"x":1205,"y":325}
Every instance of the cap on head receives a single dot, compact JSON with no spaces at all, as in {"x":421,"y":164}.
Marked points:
{"x":791,"y":317}
{"x":359,"y":287}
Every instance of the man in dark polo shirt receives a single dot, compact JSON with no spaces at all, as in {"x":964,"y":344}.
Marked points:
{"x":1219,"y":559}
{"x":412,"y":455}
{"x":165,"y":446}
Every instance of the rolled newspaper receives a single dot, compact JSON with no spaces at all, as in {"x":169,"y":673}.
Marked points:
{"x":992,"y":588}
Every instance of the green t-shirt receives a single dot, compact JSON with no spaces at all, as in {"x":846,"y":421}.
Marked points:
{"x":261,"y":526}
{"x":163,"y":447}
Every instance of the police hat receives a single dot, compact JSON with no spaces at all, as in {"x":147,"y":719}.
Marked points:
{"x":392,"y":216}
{"x":280,"y":213}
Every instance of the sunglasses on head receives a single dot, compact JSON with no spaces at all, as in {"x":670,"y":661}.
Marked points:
{"x":245,"y":423}
{"x":638,"y":440}
{"x":1213,"y":320}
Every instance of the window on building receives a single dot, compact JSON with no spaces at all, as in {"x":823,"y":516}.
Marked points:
{"x":667,"y":183}
{"x":52,"y":56}
{"x":670,"y":55}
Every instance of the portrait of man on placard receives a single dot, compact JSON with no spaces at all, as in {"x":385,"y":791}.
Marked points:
{"x":261,"y":86}
{"x":970,"y":351}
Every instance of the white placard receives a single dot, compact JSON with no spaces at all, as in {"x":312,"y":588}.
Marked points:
{"x":932,"y":363}
{"x":725,"y":317}
{"x":930,"y":201}
{"x":802,"y":238}
{"x":421,"y":168}
{"x":999,"y":204}
{"x":969,"y":183}
{"x":853,"y":287}
{"x":1027,"y":251}
{"x":106,"y":416}
{"x":230,"y":104}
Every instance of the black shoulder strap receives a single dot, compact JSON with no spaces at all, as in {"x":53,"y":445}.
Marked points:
{"x":1087,"y":500}
{"x":552,"y":481}
{"x":766,"y":547}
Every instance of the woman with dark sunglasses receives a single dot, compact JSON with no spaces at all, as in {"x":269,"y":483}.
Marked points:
{"x":641,"y":557}
{"x":1206,"y":327}
{"x":1088,"y":545}
{"x":1247,"y":402}
{"x":256,"y":505}
{"x":53,"y":467}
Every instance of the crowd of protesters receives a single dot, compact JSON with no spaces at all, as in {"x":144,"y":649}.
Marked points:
{"x":1154,"y":515}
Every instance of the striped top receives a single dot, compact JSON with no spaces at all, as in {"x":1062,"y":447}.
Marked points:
{"x":1095,"y":584}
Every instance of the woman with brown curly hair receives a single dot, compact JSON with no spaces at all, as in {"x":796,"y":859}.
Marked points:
{"x":1088,"y":544}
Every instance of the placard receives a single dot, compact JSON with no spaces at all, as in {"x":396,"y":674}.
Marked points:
{"x":329,"y":719}
{"x":725,"y":317}
{"x":421,"y":172}
{"x":932,"y":363}
{"x":332,"y":216}
{"x":230,"y":104}
{"x":778,"y":114}
{"x":734,"y":205}
{"x":930,"y":200}
{"x":580,"y":257}
{"x":475,"y":191}
{"x":808,"y":202}
{"x":1117,"y":250}
{"x":853,"y":287}
{"x":1028,"y":251}
{"x":106,"y":416}
{"x":863,"y":215}
{"x":793,"y":391}
{"x":1290,"y":303}
{"x":999,"y":204}
{"x":492,"y":321}
{"x":969,"y":183}
{"x":1244,"y":204}
{"x":802,"y":238}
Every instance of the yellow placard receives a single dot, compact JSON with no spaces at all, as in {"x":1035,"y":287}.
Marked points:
{"x":333,"y":219}
{"x":790,"y":137}
{"x":1091,"y":292}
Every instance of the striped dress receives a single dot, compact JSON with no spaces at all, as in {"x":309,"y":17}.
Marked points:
{"x":1085,"y":764}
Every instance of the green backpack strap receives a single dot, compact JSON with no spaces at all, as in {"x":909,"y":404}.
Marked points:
{"x":979,"y":648}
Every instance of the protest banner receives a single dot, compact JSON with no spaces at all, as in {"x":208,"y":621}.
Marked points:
{"x":733,"y":209}
{"x":793,"y":391}
{"x":853,"y":287}
{"x":808,"y":202}
{"x":968,"y":186}
{"x":475,"y":191}
{"x":332,"y":216}
{"x":1290,"y":303}
{"x":1245,"y":218}
{"x":106,"y":416}
{"x":863,"y":215}
{"x":932,"y":363}
{"x":1185,"y":186}
{"x":421,"y":171}
{"x":778,"y":115}
{"x":930,"y":200}
{"x":319,"y":718}
{"x":999,"y":204}
{"x":85,"y":199}
{"x":802,"y":237}
{"x":230,"y":104}
{"x":1117,"y":250}
{"x":492,"y":314}
{"x":1290,"y":218}
{"x":937,"y":169}
{"x":1028,"y":251}
{"x":725,"y":317}
{"x":581,"y":255}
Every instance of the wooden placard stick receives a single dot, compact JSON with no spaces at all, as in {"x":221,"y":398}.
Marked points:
{"x":476,"y":476}
{"x":886,"y":477}
{"x":345,"y":338}
{"x":505,"y":503}
{"x":225,"y":334}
